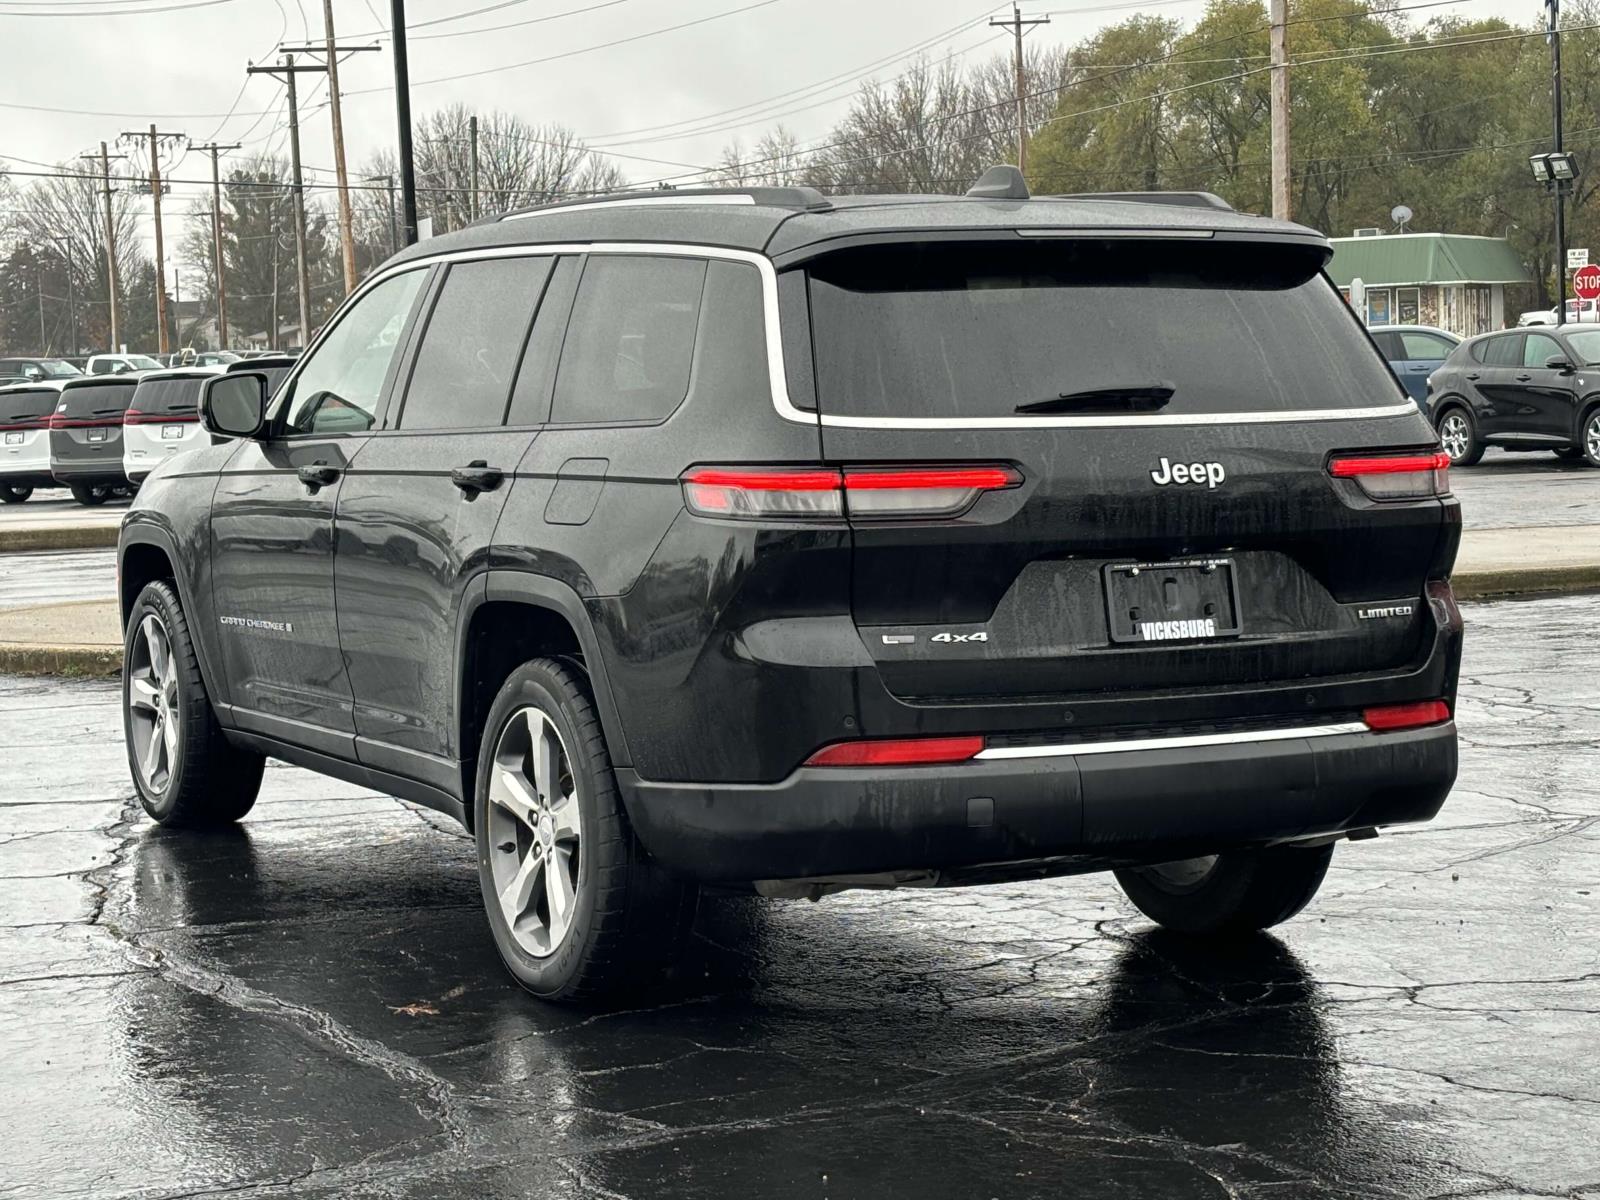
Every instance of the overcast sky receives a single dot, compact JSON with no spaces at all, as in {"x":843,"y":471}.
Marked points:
{"x":184,"y":68}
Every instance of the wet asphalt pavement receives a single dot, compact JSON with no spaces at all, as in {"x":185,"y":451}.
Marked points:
{"x":312,"y":1005}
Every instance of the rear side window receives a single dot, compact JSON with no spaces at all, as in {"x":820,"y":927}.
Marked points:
{"x":630,"y":342}
{"x":964,"y":331}
{"x":1387,"y":345}
{"x":95,"y":400}
{"x":169,"y":397}
{"x":469,"y":353}
{"x":1539,"y":349}
{"x":1503,"y":351}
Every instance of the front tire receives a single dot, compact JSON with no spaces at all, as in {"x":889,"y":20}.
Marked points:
{"x":186,"y":771}
{"x":1459,"y":437}
{"x":1589,"y":439}
{"x":14,"y":495}
{"x":575,"y":906}
{"x":89,"y":497}
{"x":1228,"y":894}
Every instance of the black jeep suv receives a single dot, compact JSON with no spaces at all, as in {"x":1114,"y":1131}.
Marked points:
{"x":767,"y":540}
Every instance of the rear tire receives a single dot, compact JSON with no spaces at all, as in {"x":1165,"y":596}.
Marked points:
{"x":1227,"y":894}
{"x":89,"y":496}
{"x":576,"y":908}
{"x":186,"y":771}
{"x":15,"y":495}
{"x":1459,"y":437}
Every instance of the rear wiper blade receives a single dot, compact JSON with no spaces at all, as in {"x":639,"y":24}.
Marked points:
{"x":1136,"y":398}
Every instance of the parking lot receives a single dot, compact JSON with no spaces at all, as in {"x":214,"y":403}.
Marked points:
{"x":312,"y":1004}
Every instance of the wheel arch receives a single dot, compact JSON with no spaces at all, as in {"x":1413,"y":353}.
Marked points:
{"x":1586,"y":409}
{"x":507,"y":618}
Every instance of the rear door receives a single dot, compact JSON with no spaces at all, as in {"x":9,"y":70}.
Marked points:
{"x":1169,"y":411}
{"x":86,"y":432}
{"x":419,"y":506}
{"x":1418,"y":355}
{"x":25,"y":435}
{"x":163,"y":420}
{"x":1500,"y":399}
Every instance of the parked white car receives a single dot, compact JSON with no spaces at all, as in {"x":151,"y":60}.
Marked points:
{"x":1578,"y":312}
{"x":25,"y":411}
{"x":120,"y":364}
{"x":163,"y":419}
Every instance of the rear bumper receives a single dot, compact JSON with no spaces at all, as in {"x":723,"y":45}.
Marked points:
{"x":1084,"y":811}
{"x":27,"y":477}
{"x":103,"y":472}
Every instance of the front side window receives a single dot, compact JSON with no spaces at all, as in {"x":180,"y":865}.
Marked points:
{"x":339,"y":388}
{"x":1425,"y":346}
{"x":630,"y":342}
{"x":1539,"y":350}
{"x":469,"y":353}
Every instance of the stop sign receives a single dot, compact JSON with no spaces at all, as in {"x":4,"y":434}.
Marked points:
{"x":1586,"y":282}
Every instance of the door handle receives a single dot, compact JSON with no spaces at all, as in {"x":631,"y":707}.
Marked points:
{"x":1474,"y":375}
{"x":477,"y":476}
{"x":1524,"y":378}
{"x":318,"y":475}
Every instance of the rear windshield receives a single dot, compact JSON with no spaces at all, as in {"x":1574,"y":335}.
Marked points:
{"x":96,"y":400}
{"x":31,"y":405}
{"x":977,"y":330}
{"x":168,"y":396}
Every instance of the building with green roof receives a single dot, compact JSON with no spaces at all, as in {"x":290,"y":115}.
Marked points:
{"x":1456,"y":281}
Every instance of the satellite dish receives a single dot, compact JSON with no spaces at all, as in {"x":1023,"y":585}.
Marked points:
{"x":1400,"y":214}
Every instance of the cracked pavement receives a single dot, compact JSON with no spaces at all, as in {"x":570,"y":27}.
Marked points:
{"x":311,"y":1004}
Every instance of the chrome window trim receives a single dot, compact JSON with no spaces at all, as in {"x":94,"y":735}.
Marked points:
{"x":1190,"y":741}
{"x":775,"y":369}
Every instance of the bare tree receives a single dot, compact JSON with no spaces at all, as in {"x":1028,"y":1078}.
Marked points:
{"x":777,"y":160}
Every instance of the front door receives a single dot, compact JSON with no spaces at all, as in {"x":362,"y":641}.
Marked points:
{"x":417,"y":514}
{"x":1547,"y":397}
{"x":272,"y":528}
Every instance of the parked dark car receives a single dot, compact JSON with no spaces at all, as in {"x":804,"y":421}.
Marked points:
{"x":86,"y":436}
{"x":35,"y":370}
{"x":1521,"y":389}
{"x":797,"y":543}
{"x":1414,"y":352}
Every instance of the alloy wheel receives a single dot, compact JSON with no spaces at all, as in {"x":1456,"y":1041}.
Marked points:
{"x":1591,"y":438}
{"x":1455,"y":435}
{"x":1184,"y":875}
{"x":535,"y":832}
{"x":153,"y":703}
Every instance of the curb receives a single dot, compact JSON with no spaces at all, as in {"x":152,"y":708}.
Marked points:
{"x":67,"y":537}
{"x":1507,"y":583}
{"x":74,"y":662}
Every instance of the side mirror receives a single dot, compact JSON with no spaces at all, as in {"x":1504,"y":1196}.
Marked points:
{"x":235,"y":405}
{"x":1557,"y":363}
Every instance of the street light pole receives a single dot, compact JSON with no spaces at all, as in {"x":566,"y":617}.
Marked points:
{"x":1554,"y":7}
{"x":402,"y":106}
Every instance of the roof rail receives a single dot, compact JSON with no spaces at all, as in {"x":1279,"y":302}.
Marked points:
{"x":807,"y":199}
{"x":1176,"y":199}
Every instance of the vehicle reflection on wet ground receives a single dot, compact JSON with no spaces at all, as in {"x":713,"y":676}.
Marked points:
{"x":311,"y":1003}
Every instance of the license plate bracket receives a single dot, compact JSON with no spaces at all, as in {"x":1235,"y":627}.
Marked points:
{"x":1190,"y":601}
{"x":14,"y":438}
{"x":97,"y":435}
{"x":171,"y":433}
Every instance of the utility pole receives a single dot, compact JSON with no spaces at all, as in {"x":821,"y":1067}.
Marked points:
{"x":472,"y":133}
{"x":272,"y":337}
{"x":1278,"y":16}
{"x":216,"y":240}
{"x":111,"y":238}
{"x":289,"y":70}
{"x":1554,"y":34}
{"x":155,"y":195}
{"x":72,"y":301}
{"x":38,"y":287}
{"x":331,"y":50}
{"x":402,"y":106}
{"x":394,"y":229}
{"x":1016,"y":24}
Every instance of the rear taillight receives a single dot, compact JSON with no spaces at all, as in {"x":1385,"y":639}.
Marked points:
{"x":1396,"y":476}
{"x":1385,"y":718}
{"x":134,"y":417}
{"x":879,"y":493}
{"x":898,"y":752}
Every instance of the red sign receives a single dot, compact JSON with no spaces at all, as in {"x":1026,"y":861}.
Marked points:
{"x":1586,"y":282}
